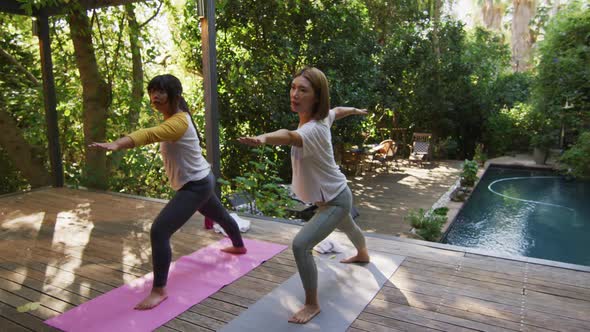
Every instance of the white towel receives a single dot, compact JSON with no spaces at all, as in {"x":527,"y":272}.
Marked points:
{"x":243,"y":224}
{"x":328,"y":246}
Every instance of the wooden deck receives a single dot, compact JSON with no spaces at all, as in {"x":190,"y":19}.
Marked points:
{"x":62,"y":247}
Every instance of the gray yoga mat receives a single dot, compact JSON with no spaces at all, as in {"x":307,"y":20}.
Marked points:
{"x":344,"y":291}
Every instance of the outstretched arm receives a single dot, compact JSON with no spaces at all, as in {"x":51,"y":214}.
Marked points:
{"x":120,"y":144}
{"x":342,"y":112}
{"x":279,"y":137}
{"x":170,"y":130}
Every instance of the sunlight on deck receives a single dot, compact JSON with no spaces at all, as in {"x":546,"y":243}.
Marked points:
{"x":62,"y":247}
{"x":73,"y":228}
{"x":16,"y":221}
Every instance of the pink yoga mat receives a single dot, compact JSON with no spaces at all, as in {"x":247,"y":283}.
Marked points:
{"x":192,"y":279}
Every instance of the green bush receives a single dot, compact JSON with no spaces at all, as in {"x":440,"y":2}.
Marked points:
{"x":441,"y":211}
{"x":262,"y":184}
{"x":577,"y":158}
{"x":562,"y":75}
{"x":446,"y":149}
{"x":480,"y":156}
{"x":469,"y":173}
{"x":427,"y":225}
{"x":508,"y":129}
{"x":511,"y":89}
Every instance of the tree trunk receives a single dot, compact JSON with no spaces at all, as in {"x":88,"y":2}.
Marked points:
{"x":137,"y":84}
{"x":492,"y":15}
{"x":521,"y":34}
{"x":20,"y":67}
{"x":436,"y":31}
{"x":95,"y":99}
{"x":136,"y":81}
{"x":26,"y":158}
{"x":555,"y":7}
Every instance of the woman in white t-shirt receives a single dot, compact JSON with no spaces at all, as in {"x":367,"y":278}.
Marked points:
{"x":316,"y":178}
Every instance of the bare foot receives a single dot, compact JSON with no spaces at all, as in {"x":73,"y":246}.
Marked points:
{"x":157,"y":295}
{"x":306,"y":313}
{"x":235,"y":250}
{"x":362,"y":256}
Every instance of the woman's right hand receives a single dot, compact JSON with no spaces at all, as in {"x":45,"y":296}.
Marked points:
{"x":109,"y":146}
{"x":252,"y":140}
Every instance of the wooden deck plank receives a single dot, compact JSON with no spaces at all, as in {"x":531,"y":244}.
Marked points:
{"x":41,"y":287}
{"x":429,"y":267}
{"x":414,"y":316}
{"x":461,"y":277}
{"x":55,"y":273}
{"x":165,"y":328}
{"x":463,"y":307}
{"x":203,"y":321}
{"x":225,"y":296}
{"x":178,"y":324}
{"x":371,"y":322}
{"x":32,"y":295}
{"x":59,"y":282}
{"x":434,"y":289}
{"x":24,"y":321}
{"x":13,"y":300}
{"x":8,"y":325}
{"x":224,"y":306}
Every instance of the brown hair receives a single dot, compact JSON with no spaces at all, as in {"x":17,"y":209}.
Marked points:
{"x":319,"y":83}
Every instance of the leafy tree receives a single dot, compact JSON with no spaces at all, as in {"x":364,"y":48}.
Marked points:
{"x":508,"y":129}
{"x":260,"y":45}
{"x":562,"y":86}
{"x":23,"y":154}
{"x":577,"y":158}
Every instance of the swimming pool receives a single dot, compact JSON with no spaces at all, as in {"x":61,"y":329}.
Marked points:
{"x":528,"y":212}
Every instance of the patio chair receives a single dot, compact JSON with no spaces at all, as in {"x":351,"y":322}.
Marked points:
{"x":420,"y":148}
{"x":384,"y":152}
{"x":243,"y":202}
{"x":353,"y":161}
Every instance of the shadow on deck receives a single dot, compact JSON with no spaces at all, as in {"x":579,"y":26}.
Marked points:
{"x":62,"y":247}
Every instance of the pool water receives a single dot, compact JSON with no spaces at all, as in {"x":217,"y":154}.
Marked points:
{"x":527,"y":212}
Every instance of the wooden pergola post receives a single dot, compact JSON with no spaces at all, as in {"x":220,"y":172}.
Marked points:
{"x":207,"y":17}
{"x":50,"y":99}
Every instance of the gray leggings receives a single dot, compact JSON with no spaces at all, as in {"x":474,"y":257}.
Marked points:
{"x":334,"y":215}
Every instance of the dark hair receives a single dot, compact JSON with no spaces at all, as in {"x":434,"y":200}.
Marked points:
{"x":173,"y":88}
{"x":171,"y":84}
{"x":182,"y":105}
{"x":319,"y":83}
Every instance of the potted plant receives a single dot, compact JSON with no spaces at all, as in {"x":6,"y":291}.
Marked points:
{"x":480,"y":156}
{"x":469,"y":173}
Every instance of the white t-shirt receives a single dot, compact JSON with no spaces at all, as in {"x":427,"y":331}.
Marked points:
{"x":180,"y":149}
{"x":316,"y":177}
{"x":183,"y":158}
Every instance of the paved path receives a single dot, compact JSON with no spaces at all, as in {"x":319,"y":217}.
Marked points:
{"x":383,"y":198}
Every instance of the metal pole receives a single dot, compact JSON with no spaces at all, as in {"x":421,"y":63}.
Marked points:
{"x":210,"y":83}
{"x":50,"y":100}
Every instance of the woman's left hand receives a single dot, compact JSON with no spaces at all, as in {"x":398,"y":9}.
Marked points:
{"x":361,"y":111}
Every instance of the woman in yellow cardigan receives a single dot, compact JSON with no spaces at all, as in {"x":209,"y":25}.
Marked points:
{"x":189,"y":175}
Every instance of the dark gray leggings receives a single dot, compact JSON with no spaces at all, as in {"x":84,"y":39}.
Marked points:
{"x":333,"y":215}
{"x":193,"y":196}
